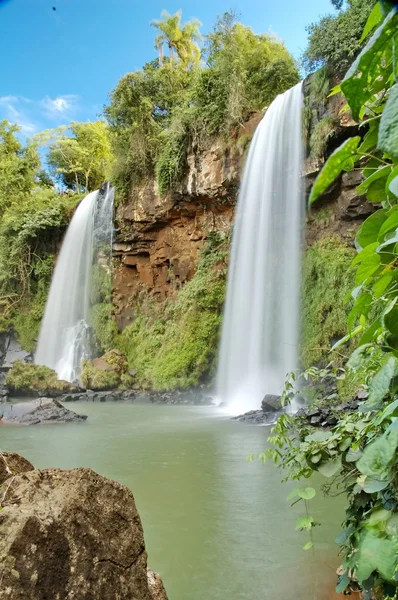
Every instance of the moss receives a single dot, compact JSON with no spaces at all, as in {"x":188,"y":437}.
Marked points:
{"x":174,"y":344}
{"x":103,"y":326}
{"x":327,"y":280}
{"x":323,"y":131}
{"x":25,"y":378}
{"x":94,"y":378}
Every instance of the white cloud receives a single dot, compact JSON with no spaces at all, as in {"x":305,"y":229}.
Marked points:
{"x":61,"y":106}
{"x":10,"y":108}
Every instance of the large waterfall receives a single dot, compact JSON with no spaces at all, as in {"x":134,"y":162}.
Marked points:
{"x":260,"y":329}
{"x":64,"y":338}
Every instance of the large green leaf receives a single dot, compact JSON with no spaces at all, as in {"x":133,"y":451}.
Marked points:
{"x":380,"y":385}
{"x":359,"y":357}
{"x":368,"y":335}
{"x":373,"y":20}
{"x":381,"y":284}
{"x":367,"y":268}
{"x":389,"y":224}
{"x":369,"y":231}
{"x":377,"y":456}
{"x":365,"y":253}
{"x":358,"y":84}
{"x":377,"y":190}
{"x":390,"y":317}
{"x":361,"y":307}
{"x":392,"y":181}
{"x":380,"y":173}
{"x":342,"y":159}
{"x":388,"y":131}
{"x":306,"y":493}
{"x":375,"y":554}
{"x":331,"y":467}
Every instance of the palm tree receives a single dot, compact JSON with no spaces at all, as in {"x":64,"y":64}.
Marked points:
{"x":179,"y":38}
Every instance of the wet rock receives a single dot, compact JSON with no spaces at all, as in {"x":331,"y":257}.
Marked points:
{"x":155,"y":585}
{"x":271,"y":403}
{"x":13,"y":464}
{"x":258,"y":417}
{"x":72,"y":534}
{"x":35,"y":412}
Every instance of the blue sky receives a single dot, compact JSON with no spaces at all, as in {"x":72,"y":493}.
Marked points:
{"x":59,"y":65}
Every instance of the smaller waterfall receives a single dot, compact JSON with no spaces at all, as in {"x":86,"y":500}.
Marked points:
{"x":64,"y":338}
{"x":260,"y":329}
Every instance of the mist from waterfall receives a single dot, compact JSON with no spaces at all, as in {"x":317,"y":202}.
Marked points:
{"x":64,"y":338}
{"x":259,"y":343}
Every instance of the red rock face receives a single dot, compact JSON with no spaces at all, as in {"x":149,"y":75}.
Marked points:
{"x":160,"y":238}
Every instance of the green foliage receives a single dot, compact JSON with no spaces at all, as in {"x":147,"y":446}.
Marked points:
{"x":79,"y":154}
{"x":359,"y":455}
{"x":336,"y":40}
{"x":103,"y":326}
{"x":18,"y":166}
{"x":323,"y":131}
{"x":157,"y":112}
{"x":179,"y":38}
{"x":342,"y":159}
{"x":174,"y":344}
{"x":327,"y":279}
{"x":93,"y":378}
{"x":24,"y":378}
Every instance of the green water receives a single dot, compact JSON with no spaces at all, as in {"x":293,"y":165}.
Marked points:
{"x":216,"y":526}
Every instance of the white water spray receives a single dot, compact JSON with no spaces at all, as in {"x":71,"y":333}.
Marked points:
{"x":261,"y":321}
{"x":64,"y":334}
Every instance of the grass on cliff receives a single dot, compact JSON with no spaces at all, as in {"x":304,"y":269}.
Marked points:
{"x":327,"y":279}
{"x":174,"y":344}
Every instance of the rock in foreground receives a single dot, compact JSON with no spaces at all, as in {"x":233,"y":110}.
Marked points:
{"x":13,"y":464}
{"x":72,"y":534}
{"x":36,"y":412}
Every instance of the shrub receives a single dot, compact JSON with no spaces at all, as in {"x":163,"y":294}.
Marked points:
{"x":25,"y":378}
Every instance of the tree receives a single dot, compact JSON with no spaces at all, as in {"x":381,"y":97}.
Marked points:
{"x":336,"y":40}
{"x":18,"y":165}
{"x":79,"y":154}
{"x":179,"y":38}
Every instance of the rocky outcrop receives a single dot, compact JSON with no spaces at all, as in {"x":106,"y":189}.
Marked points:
{"x":159,"y":238}
{"x":13,"y":464}
{"x":37,"y":412}
{"x":72,"y":534}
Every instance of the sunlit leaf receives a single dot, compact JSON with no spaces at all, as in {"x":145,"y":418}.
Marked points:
{"x":305,"y":523}
{"x":373,"y":20}
{"x":381,"y":172}
{"x":357,"y":84}
{"x":308,"y":546}
{"x":377,"y":456}
{"x":306,"y":493}
{"x":342,"y":159}
{"x":369,"y":231}
{"x":388,"y":132}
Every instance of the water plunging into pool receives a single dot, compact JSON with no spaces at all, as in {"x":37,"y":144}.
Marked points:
{"x":260,"y":328}
{"x":64,"y":338}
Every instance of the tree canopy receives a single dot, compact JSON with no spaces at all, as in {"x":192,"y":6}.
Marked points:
{"x":335,"y":40}
{"x":179,"y":38}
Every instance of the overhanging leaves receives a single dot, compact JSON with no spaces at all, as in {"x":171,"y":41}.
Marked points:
{"x":357,"y":84}
{"x":388,"y":131}
{"x":342,"y":159}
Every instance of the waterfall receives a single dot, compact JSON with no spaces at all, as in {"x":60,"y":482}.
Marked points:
{"x":261,"y":320}
{"x":64,"y":338}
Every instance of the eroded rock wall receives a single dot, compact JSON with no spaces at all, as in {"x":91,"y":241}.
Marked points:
{"x":159,"y":239}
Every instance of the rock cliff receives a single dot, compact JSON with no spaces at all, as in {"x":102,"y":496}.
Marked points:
{"x":159,"y":239}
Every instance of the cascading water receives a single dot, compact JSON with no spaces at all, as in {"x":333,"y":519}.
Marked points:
{"x":64,"y":338}
{"x":260,"y":329}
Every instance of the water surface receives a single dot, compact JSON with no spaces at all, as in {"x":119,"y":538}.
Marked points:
{"x":216,"y":526}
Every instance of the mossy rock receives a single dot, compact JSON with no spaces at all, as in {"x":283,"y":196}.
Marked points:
{"x":30,"y":379}
{"x":106,"y":372}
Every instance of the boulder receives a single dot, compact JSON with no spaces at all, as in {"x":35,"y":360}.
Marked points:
{"x":13,"y":464}
{"x":271,"y":403}
{"x":72,"y":534}
{"x":35,"y":412}
{"x":36,"y":380}
{"x":155,"y":585}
